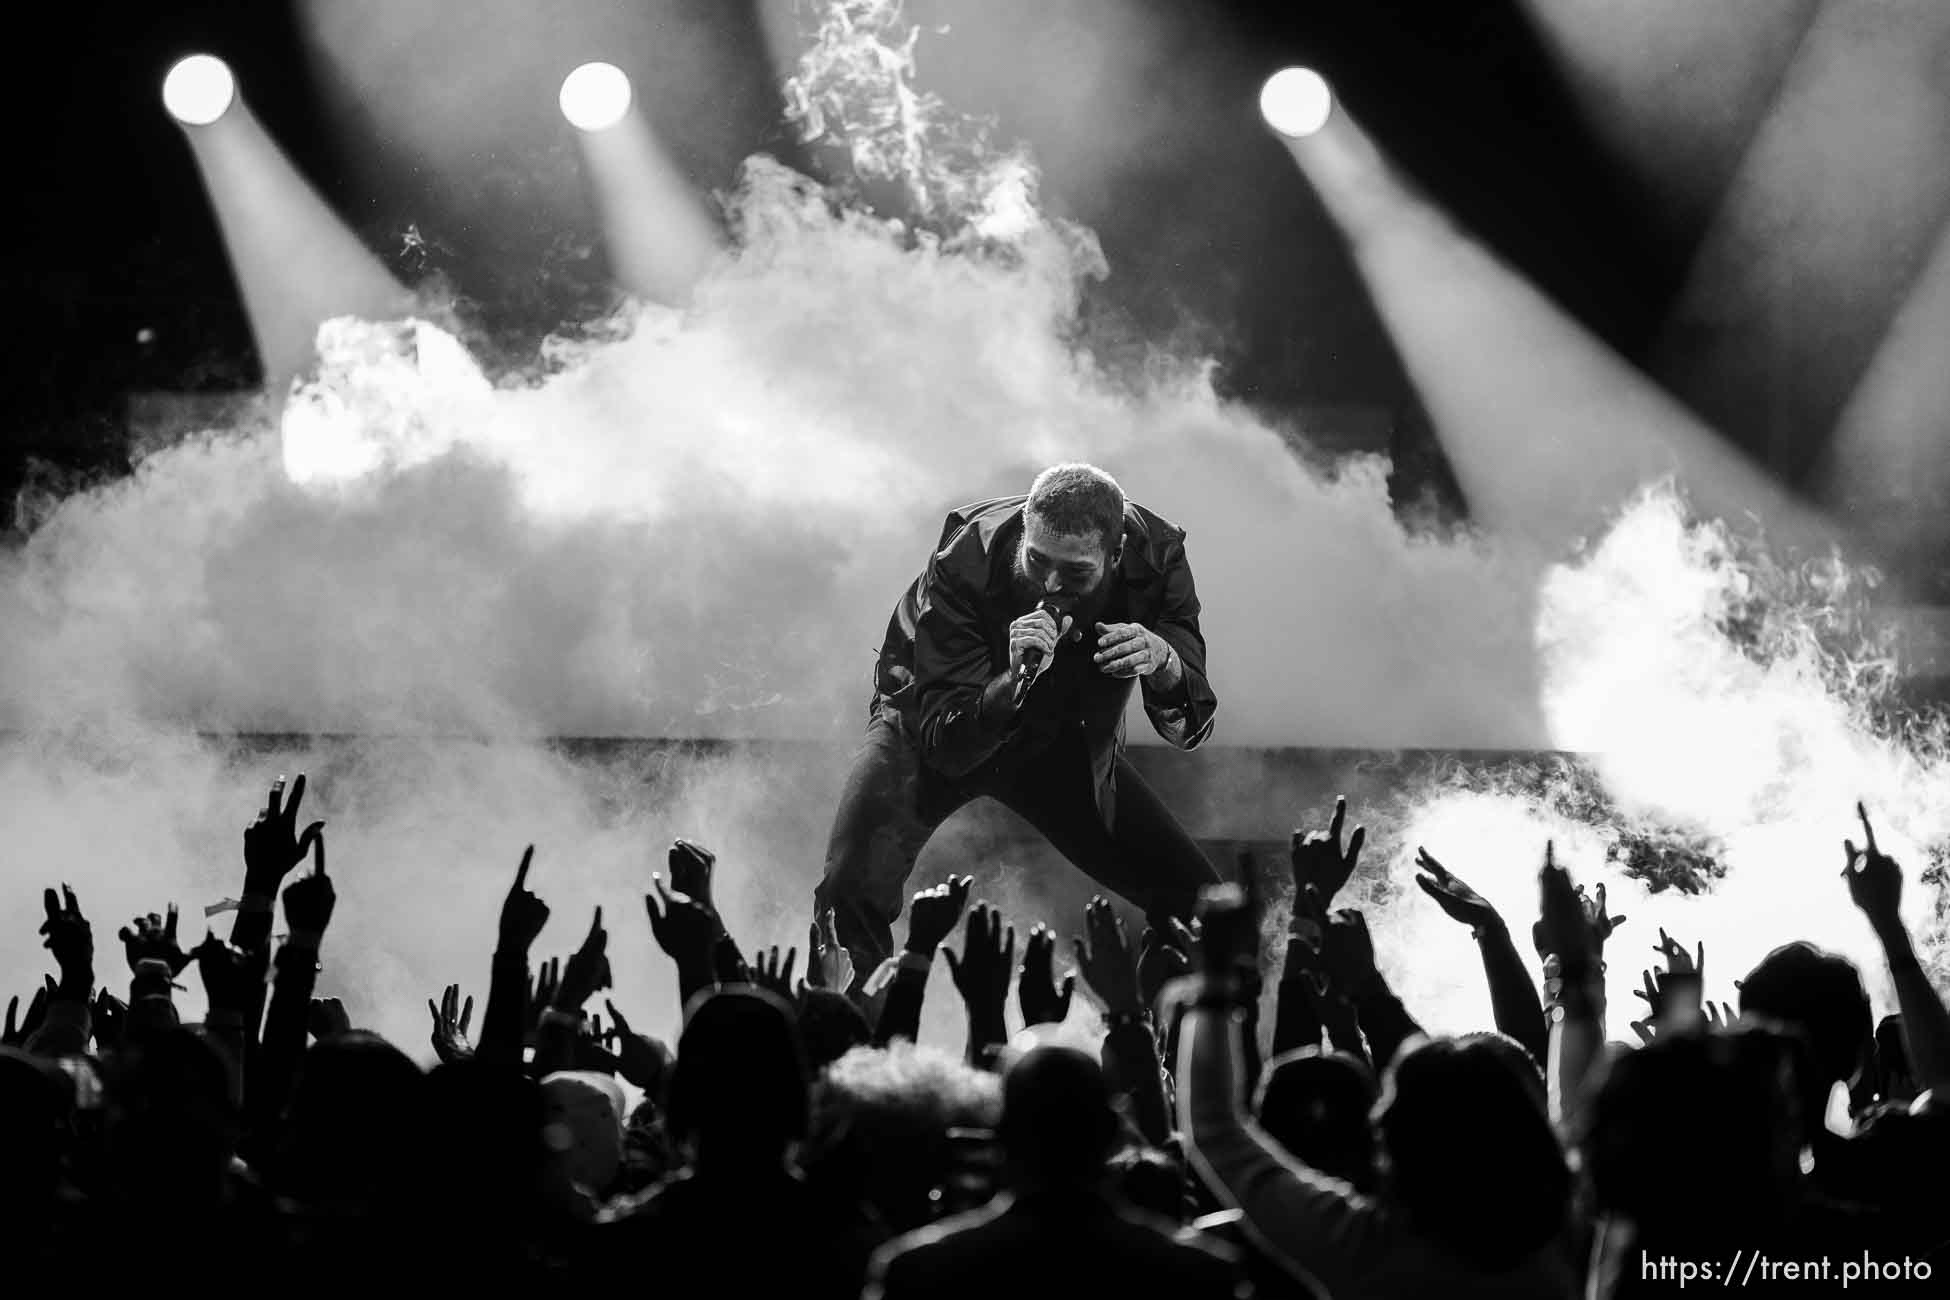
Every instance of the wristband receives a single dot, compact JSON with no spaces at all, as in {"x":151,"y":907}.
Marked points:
{"x":1116,"y":1020}
{"x":917,"y":961}
{"x":304,"y":939}
{"x":255,"y":903}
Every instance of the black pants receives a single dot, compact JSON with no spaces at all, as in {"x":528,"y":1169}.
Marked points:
{"x":892,"y":804}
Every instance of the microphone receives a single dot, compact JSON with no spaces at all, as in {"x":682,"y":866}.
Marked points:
{"x":1032,"y":658}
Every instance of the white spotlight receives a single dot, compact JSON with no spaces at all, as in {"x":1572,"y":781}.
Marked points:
{"x":199,"y":90}
{"x":595,"y":96}
{"x":1296,"y":102}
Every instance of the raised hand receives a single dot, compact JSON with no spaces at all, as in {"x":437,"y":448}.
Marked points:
{"x":1596,"y":914}
{"x":1563,"y":929}
{"x":1875,"y":882}
{"x":111,"y":1017}
{"x":232,"y":977}
{"x":548,"y":978}
{"x":684,"y":928}
{"x":830,"y":965}
{"x":309,"y":900}
{"x":1036,"y":991}
{"x":1722,"y":1017}
{"x":587,"y":969}
{"x":691,"y":866}
{"x":522,"y":914}
{"x":1162,"y":959}
{"x":328,"y":1018}
{"x":1319,"y":860}
{"x":450,"y":1021}
{"x":772,"y":974}
{"x":154,"y":939}
{"x":640,"y":1059}
{"x":988,"y":957}
{"x":1677,"y":960}
{"x":71,"y":941}
{"x":932,"y":915}
{"x":272,"y":843}
{"x":17,"y":1033}
{"x":1457,"y":900}
{"x":1106,"y":961}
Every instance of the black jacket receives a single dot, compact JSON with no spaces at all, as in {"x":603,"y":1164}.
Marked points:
{"x":949,"y":637}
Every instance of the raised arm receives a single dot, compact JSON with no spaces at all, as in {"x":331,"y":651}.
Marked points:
{"x":1131,"y":1046}
{"x":68,"y":1021}
{"x":308,"y":906}
{"x":981,"y":974}
{"x":504,"y":1021}
{"x":931,"y":918}
{"x":1875,"y":882}
{"x":1513,"y":998}
{"x":1314,"y":1226}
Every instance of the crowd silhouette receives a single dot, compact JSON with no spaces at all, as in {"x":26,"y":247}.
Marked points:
{"x":797,"y":1139}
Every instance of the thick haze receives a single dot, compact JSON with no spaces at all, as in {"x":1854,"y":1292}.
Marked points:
{"x":697,"y":529}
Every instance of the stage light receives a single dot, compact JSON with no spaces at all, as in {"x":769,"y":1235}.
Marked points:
{"x":595,"y":96}
{"x":199,"y":90}
{"x":1296,"y":102}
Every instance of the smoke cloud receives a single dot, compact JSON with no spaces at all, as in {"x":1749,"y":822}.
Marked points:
{"x":696,"y":527}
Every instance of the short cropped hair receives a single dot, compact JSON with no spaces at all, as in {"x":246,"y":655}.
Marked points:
{"x":1077,"y":500}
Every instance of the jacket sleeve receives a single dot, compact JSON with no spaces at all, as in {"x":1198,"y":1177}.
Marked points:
{"x":960,"y":729}
{"x":1183,"y":715}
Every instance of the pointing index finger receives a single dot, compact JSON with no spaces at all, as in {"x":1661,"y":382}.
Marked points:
{"x":1868,"y":830}
{"x":521,"y":872}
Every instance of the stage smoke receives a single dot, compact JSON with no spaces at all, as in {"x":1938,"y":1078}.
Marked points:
{"x":696,"y":528}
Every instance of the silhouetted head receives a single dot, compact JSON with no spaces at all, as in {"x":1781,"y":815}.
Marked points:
{"x":1468,"y":1149}
{"x":1058,"y":1124}
{"x":830,"y":1026}
{"x":354,"y":1119}
{"x":172,"y":1126}
{"x":1316,"y":1105}
{"x":1698,"y":1135}
{"x":480,"y":1141}
{"x":881,"y":1121}
{"x":1819,"y":993}
{"x":1152,"y":1181}
{"x":36,"y":1102}
{"x":738,"y":1095}
{"x":582,"y":1118}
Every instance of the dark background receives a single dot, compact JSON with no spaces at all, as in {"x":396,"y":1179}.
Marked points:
{"x":118,"y":280}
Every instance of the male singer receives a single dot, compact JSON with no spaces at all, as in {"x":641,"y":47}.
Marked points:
{"x":1005,"y":672}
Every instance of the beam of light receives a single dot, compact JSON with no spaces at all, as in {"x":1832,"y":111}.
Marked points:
{"x":595,"y":96}
{"x":296,"y":263}
{"x":199,"y":90}
{"x":1296,"y":102}
{"x":1830,"y":216}
{"x":1674,"y":89}
{"x":658,"y":235}
{"x":1549,"y":431}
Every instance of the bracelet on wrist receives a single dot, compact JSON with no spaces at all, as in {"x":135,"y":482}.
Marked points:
{"x":1116,"y":1020}
{"x":255,"y":902}
{"x":914,"y":960}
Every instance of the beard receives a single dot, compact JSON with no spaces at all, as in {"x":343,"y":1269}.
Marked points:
{"x":1082,"y":607}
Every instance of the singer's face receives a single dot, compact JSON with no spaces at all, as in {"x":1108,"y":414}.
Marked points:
{"x":1065,"y":567}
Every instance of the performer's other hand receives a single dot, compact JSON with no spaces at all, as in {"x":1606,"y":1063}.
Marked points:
{"x":1036,"y":630}
{"x":1129,"y":650}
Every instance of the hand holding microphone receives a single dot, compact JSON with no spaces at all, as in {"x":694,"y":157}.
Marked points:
{"x":1032,"y":638}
